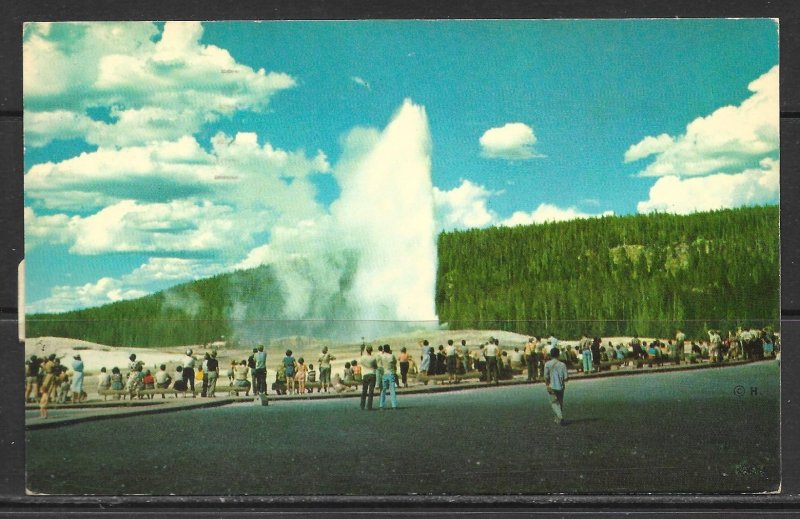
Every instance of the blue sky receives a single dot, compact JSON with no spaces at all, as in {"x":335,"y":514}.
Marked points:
{"x":136,"y":179}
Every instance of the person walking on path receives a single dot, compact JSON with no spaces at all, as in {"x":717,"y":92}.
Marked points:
{"x":260,"y":380}
{"x":555,"y":379}
{"x":368,"y":366}
{"x":389,"y":377}
{"x":325,"y":369}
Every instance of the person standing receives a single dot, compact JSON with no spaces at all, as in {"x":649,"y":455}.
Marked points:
{"x":260,"y":380}
{"x":188,"y":371}
{"x":32,"y":368}
{"x":596,"y":342}
{"x":425,"y":358}
{"x":368,"y":366}
{"x":289,"y":365}
{"x":77,"y":379}
{"x":325,"y":369}
{"x":251,"y":365}
{"x":465,"y":357}
{"x":530,"y":358}
{"x":212,"y":372}
{"x":47,"y":384}
{"x":389,"y":377}
{"x":379,"y":368}
{"x":402,"y":358}
{"x":586,"y":354}
{"x":490,"y":354}
{"x":450,"y":355}
{"x":204,"y":380}
{"x":555,"y":379}
{"x":680,"y":344}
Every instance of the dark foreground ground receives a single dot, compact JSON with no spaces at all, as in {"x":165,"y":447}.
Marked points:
{"x":662,"y":433}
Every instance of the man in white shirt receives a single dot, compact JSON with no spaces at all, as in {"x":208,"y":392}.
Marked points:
{"x":490,"y":354}
{"x":555,"y":378}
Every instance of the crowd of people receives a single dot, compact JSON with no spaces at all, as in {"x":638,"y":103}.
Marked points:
{"x":46,"y":379}
{"x":379,"y":369}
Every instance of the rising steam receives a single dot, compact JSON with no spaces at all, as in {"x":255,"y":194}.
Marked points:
{"x":368,"y":266}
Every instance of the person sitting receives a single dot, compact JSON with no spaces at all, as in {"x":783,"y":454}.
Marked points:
{"x":180,"y":383}
{"x":135,"y":382}
{"x":103,"y":380}
{"x":279,"y":386}
{"x":356,"y":370}
{"x":149,"y":382}
{"x":347,"y":374}
{"x":162,"y":379}
{"x":240,"y":378}
{"x":63,"y":382}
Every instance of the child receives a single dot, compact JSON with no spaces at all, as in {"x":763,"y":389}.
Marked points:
{"x":149,"y":382}
{"x":300,"y":376}
{"x":311,"y":376}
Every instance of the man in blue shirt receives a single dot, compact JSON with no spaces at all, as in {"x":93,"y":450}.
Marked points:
{"x":555,"y":378}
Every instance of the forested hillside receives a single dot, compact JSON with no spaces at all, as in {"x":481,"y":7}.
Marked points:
{"x":645,"y":274}
{"x":610,"y":276}
{"x":192,"y":313}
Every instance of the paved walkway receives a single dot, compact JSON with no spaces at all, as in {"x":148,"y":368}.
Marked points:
{"x":64,"y":414}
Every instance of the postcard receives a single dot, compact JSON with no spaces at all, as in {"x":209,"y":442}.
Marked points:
{"x":402,"y":257}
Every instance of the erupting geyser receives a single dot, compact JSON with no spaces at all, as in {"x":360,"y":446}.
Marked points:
{"x":372,"y":258}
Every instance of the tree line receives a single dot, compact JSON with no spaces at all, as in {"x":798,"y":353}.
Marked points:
{"x":643,"y":274}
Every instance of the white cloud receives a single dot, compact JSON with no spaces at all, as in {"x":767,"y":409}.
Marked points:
{"x":728,"y":140}
{"x":45,"y":229}
{"x":151,"y":88}
{"x":155,"y":274}
{"x":649,"y":146}
{"x":513,"y":141}
{"x":463,"y":207}
{"x":719,"y":191}
{"x":66,"y":297}
{"x":549,"y":213}
{"x":361,"y":81}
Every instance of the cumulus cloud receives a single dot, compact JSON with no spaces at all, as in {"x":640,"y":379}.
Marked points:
{"x":755,"y":186}
{"x":152,"y":84}
{"x":464,"y":206}
{"x":513,"y":141}
{"x":549,"y":213}
{"x":155,"y":274}
{"x":170,"y":196}
{"x":65,"y":297}
{"x":728,"y":140}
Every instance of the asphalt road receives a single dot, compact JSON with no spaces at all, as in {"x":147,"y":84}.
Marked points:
{"x":704,"y":431}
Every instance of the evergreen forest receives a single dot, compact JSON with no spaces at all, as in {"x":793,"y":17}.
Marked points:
{"x":619,"y":275}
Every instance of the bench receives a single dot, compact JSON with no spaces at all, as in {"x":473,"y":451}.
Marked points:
{"x":124,"y":393}
{"x":425,"y":378}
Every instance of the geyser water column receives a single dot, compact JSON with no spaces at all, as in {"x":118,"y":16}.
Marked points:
{"x":385,"y":214}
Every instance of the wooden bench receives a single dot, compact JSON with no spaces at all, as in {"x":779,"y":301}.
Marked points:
{"x":124,"y":393}
{"x":425,"y":378}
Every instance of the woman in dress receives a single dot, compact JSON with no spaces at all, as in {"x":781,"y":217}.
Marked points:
{"x":77,"y":379}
